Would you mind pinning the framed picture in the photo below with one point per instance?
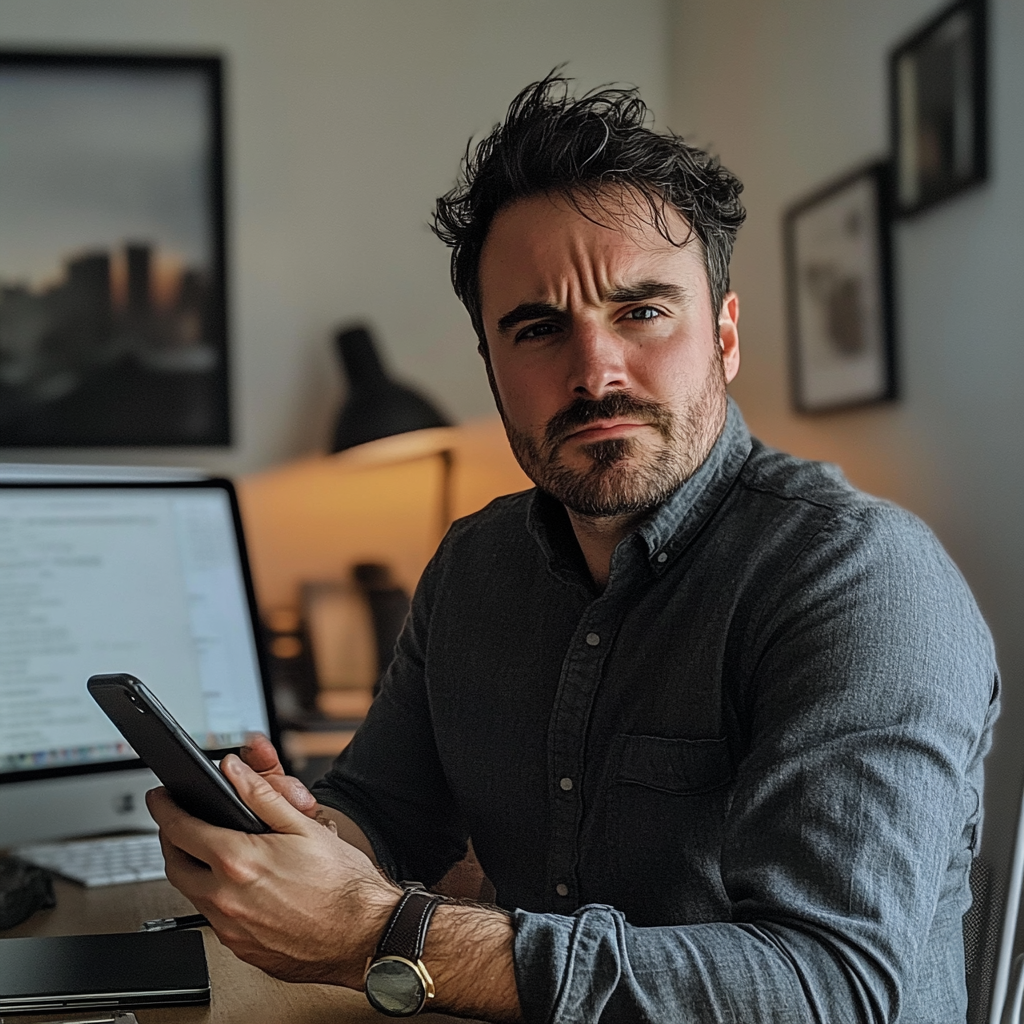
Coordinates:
(939, 107)
(113, 325)
(839, 283)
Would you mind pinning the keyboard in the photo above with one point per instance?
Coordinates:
(94, 862)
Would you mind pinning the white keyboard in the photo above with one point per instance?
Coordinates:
(93, 862)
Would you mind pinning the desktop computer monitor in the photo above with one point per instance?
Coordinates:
(147, 577)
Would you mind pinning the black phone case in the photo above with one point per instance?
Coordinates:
(178, 762)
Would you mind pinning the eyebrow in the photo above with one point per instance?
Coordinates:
(648, 290)
(638, 292)
(530, 311)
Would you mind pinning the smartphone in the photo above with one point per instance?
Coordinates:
(192, 779)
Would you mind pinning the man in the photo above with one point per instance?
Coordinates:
(713, 719)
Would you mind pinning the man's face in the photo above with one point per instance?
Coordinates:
(607, 366)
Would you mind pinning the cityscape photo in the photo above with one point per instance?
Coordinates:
(112, 327)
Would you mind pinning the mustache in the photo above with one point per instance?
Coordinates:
(615, 404)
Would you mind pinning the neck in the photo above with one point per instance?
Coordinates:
(598, 537)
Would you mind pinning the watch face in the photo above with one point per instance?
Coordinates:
(394, 986)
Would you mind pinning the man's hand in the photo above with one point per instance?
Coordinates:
(305, 906)
(259, 754)
(298, 903)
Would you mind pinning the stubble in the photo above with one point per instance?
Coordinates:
(630, 476)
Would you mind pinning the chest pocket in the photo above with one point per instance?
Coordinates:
(664, 815)
(672, 765)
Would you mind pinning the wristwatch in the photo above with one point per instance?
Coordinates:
(396, 982)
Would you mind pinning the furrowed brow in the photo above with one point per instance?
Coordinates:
(643, 290)
(529, 311)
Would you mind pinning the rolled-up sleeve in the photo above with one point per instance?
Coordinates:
(868, 694)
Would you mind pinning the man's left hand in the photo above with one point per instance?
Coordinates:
(299, 903)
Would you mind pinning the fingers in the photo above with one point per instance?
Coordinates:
(259, 754)
(295, 793)
(206, 843)
(264, 800)
(183, 871)
(199, 884)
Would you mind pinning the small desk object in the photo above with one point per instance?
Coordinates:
(106, 972)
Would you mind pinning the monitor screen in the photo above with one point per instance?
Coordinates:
(145, 579)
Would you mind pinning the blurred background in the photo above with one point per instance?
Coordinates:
(346, 118)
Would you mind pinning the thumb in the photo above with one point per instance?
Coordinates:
(263, 800)
(259, 754)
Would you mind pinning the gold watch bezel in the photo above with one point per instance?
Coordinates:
(418, 967)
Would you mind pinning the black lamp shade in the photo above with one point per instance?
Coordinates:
(377, 406)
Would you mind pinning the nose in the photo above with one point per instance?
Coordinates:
(597, 361)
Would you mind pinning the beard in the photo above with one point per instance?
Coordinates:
(625, 476)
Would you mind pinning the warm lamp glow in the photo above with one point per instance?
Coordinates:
(315, 518)
(416, 444)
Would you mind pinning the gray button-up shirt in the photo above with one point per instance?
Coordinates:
(741, 783)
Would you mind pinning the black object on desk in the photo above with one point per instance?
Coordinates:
(174, 924)
(64, 972)
(24, 889)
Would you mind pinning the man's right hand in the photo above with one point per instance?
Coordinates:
(259, 754)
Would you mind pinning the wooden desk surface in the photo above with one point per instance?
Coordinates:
(240, 994)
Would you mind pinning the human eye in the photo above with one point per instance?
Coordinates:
(644, 313)
(540, 330)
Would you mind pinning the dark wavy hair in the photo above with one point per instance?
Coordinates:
(551, 142)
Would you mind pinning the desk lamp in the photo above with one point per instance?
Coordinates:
(381, 423)
(378, 408)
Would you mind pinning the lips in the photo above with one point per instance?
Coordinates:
(609, 417)
(604, 430)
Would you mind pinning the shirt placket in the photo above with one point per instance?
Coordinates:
(582, 670)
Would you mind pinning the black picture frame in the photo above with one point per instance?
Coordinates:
(113, 283)
(938, 88)
(838, 256)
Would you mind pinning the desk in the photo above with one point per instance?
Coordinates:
(240, 994)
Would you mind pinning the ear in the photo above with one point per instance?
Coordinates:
(729, 335)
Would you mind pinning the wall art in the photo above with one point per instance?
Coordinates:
(113, 326)
(939, 108)
(839, 283)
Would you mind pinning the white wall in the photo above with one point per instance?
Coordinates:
(346, 119)
(791, 93)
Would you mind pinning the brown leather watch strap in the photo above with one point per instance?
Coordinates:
(406, 930)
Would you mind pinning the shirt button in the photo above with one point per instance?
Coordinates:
(593, 639)
(562, 889)
(663, 557)
(566, 784)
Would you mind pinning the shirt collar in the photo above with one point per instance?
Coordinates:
(669, 529)
(667, 532)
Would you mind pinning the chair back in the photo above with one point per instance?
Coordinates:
(995, 982)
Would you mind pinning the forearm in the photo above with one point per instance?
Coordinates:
(469, 954)
(469, 947)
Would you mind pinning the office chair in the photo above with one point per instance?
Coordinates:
(995, 980)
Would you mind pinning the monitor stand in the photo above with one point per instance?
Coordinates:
(75, 805)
